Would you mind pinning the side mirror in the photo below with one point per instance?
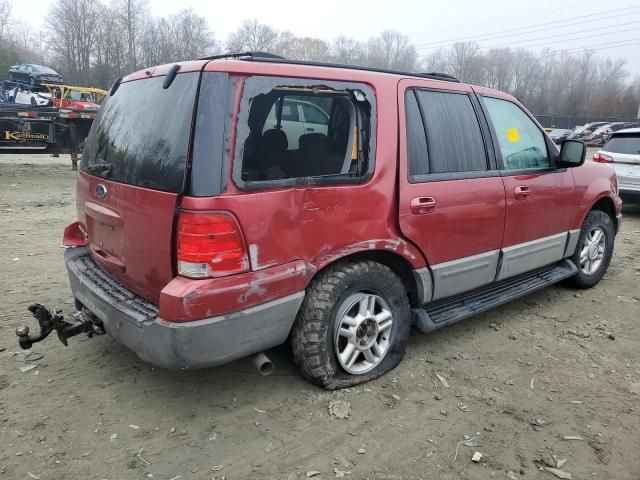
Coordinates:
(572, 154)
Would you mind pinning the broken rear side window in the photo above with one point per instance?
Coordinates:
(293, 131)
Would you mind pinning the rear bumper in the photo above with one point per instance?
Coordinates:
(134, 322)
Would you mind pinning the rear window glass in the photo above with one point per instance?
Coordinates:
(141, 134)
(625, 143)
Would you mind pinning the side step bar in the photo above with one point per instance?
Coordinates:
(450, 310)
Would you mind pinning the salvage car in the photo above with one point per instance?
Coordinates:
(559, 134)
(201, 238)
(26, 95)
(34, 74)
(622, 151)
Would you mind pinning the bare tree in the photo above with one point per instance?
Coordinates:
(6, 6)
(130, 14)
(391, 50)
(73, 26)
(254, 37)
(347, 50)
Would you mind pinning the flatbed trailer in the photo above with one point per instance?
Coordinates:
(25, 128)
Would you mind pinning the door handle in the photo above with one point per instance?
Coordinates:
(423, 205)
(522, 192)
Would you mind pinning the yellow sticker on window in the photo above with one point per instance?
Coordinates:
(513, 135)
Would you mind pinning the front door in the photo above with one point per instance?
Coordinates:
(538, 195)
(452, 200)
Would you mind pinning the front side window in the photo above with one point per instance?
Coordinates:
(448, 123)
(521, 142)
(292, 133)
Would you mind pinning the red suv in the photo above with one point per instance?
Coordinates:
(215, 220)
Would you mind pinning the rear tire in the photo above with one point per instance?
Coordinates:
(594, 250)
(359, 311)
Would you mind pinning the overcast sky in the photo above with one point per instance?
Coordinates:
(570, 25)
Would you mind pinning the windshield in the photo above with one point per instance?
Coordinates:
(41, 69)
(628, 144)
(141, 133)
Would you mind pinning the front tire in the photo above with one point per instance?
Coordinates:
(353, 325)
(594, 250)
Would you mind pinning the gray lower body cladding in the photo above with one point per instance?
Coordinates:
(203, 343)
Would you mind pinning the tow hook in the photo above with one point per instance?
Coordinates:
(50, 320)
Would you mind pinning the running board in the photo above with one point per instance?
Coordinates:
(450, 310)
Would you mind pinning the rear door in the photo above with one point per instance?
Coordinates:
(539, 197)
(452, 201)
(132, 173)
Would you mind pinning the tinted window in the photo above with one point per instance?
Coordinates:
(521, 142)
(141, 133)
(453, 133)
(628, 143)
(277, 150)
(416, 140)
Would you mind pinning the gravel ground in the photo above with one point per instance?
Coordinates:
(522, 377)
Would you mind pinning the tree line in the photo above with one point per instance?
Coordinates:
(93, 42)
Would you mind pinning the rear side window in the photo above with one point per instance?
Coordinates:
(521, 142)
(625, 143)
(450, 126)
(141, 134)
(329, 142)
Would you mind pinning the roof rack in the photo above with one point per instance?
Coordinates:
(244, 56)
(273, 58)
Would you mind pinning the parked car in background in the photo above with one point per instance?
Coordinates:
(607, 134)
(27, 95)
(297, 118)
(34, 74)
(622, 151)
(559, 134)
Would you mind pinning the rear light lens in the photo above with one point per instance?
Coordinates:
(601, 158)
(74, 235)
(210, 244)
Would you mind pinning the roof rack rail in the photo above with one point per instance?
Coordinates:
(244, 56)
(278, 59)
(273, 58)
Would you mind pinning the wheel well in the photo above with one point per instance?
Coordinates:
(396, 263)
(605, 205)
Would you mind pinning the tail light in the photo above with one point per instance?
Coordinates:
(602, 158)
(210, 244)
(74, 235)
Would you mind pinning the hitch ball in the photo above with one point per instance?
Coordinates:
(22, 331)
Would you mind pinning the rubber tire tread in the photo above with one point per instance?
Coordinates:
(595, 218)
(312, 337)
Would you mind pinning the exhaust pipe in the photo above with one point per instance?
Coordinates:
(263, 364)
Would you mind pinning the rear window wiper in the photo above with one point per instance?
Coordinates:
(99, 168)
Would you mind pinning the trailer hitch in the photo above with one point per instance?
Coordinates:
(50, 320)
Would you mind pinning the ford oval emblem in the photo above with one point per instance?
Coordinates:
(101, 191)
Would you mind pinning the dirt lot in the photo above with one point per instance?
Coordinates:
(557, 363)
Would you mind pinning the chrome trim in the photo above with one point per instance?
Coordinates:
(618, 222)
(464, 274)
(527, 256)
(424, 285)
(572, 243)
